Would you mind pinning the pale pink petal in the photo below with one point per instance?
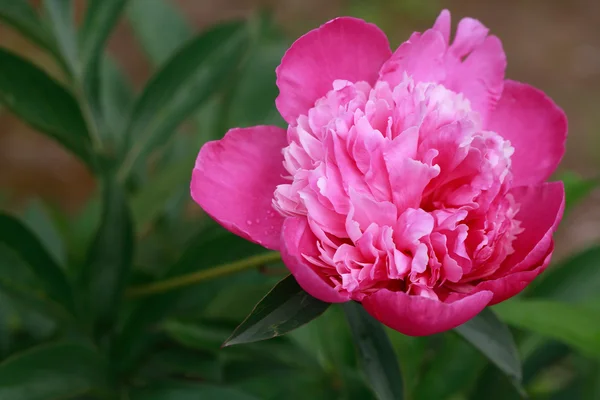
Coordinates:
(298, 242)
(541, 209)
(234, 180)
(536, 128)
(421, 316)
(480, 77)
(344, 48)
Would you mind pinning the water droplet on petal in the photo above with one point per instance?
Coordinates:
(257, 221)
(249, 222)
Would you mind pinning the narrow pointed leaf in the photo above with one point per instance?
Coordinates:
(23, 242)
(41, 102)
(493, 338)
(52, 372)
(62, 24)
(285, 308)
(189, 78)
(159, 44)
(21, 16)
(111, 253)
(573, 280)
(100, 19)
(376, 353)
(572, 324)
(189, 392)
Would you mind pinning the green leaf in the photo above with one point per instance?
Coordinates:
(181, 391)
(452, 367)
(38, 219)
(116, 98)
(159, 44)
(100, 18)
(20, 15)
(62, 24)
(188, 79)
(493, 338)
(573, 280)
(571, 324)
(253, 97)
(376, 353)
(44, 104)
(24, 243)
(150, 201)
(207, 249)
(576, 188)
(111, 254)
(285, 308)
(57, 371)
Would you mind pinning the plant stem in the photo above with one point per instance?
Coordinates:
(205, 275)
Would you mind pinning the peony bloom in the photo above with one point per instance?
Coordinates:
(412, 182)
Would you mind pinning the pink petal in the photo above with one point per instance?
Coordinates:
(299, 241)
(536, 128)
(344, 48)
(443, 24)
(473, 65)
(421, 316)
(234, 180)
(541, 209)
(480, 77)
(512, 284)
(421, 57)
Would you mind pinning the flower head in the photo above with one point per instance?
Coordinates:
(411, 182)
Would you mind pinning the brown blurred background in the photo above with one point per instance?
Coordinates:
(551, 44)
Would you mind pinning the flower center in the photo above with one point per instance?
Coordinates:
(402, 188)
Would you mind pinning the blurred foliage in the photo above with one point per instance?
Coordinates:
(133, 298)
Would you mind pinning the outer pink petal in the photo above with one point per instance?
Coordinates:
(512, 284)
(421, 57)
(473, 65)
(234, 180)
(536, 127)
(541, 210)
(299, 241)
(344, 48)
(421, 316)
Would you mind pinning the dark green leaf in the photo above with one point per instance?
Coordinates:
(44, 104)
(452, 368)
(38, 219)
(285, 308)
(576, 188)
(20, 15)
(57, 371)
(180, 391)
(490, 336)
(111, 254)
(571, 324)
(100, 18)
(188, 79)
(148, 203)
(159, 44)
(20, 240)
(376, 353)
(573, 280)
(203, 252)
(116, 98)
(411, 353)
(62, 24)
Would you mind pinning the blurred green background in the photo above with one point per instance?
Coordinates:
(167, 346)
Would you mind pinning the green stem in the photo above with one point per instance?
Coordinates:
(205, 275)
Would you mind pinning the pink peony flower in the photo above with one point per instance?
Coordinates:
(412, 182)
